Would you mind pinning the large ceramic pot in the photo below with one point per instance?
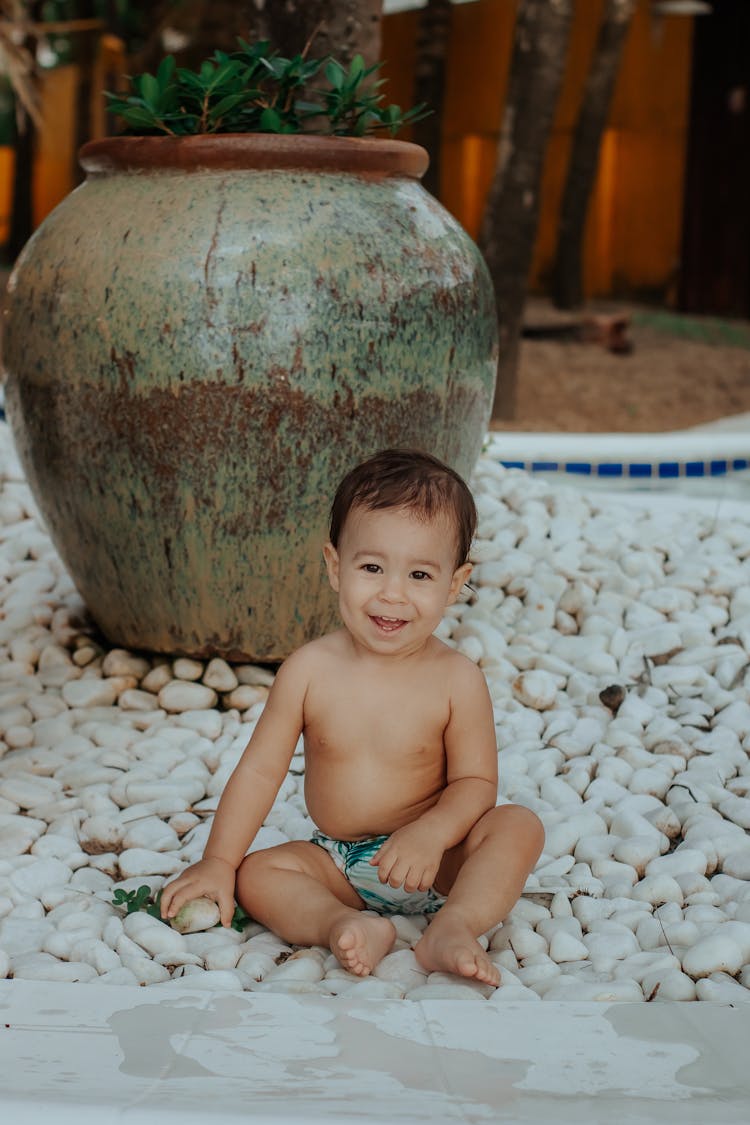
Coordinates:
(202, 338)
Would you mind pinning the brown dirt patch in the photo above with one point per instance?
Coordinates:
(682, 371)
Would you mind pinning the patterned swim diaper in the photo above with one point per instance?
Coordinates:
(352, 857)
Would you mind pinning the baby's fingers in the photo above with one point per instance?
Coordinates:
(226, 909)
(173, 897)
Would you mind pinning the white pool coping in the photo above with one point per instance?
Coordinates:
(80, 1054)
(717, 450)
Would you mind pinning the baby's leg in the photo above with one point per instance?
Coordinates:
(298, 892)
(483, 878)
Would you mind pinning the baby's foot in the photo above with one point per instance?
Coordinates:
(360, 942)
(449, 946)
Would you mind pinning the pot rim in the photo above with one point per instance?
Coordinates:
(365, 156)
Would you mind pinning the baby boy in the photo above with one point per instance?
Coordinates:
(400, 750)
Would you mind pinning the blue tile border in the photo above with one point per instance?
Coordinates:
(665, 470)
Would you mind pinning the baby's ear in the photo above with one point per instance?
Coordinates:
(331, 558)
(460, 578)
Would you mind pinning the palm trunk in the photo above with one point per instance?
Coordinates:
(429, 86)
(343, 28)
(584, 155)
(207, 25)
(512, 212)
(85, 56)
(21, 217)
(22, 206)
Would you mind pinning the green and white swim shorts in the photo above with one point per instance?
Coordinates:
(352, 857)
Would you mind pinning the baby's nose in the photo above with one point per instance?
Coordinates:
(393, 588)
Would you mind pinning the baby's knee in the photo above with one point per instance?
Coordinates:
(255, 868)
(281, 857)
(531, 826)
(521, 823)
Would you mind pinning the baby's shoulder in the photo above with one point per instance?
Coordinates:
(318, 654)
(457, 670)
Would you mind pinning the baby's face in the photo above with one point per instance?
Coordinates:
(395, 574)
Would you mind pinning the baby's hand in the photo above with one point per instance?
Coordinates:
(209, 878)
(409, 858)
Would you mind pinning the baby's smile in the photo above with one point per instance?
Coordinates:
(388, 624)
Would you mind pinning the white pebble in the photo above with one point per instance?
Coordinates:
(713, 954)
(179, 695)
(219, 675)
(145, 970)
(722, 989)
(186, 669)
(223, 957)
(304, 965)
(142, 861)
(196, 915)
(37, 876)
(564, 947)
(536, 689)
(737, 863)
(246, 696)
(657, 889)
(151, 833)
(403, 967)
(91, 692)
(157, 678)
(120, 662)
(256, 964)
(134, 700)
(680, 862)
(669, 985)
(151, 934)
(118, 977)
(42, 966)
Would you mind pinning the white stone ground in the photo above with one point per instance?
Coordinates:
(111, 763)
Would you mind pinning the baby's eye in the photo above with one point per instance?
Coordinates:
(371, 568)
(420, 575)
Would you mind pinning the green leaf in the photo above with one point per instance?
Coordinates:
(142, 118)
(270, 121)
(334, 72)
(240, 919)
(227, 103)
(150, 91)
(155, 908)
(165, 72)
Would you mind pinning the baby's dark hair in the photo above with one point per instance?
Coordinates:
(407, 478)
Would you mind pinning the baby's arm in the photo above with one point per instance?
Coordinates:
(247, 797)
(411, 856)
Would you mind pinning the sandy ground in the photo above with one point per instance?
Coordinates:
(681, 371)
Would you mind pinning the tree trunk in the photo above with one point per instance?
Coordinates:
(22, 208)
(512, 212)
(346, 27)
(429, 86)
(85, 45)
(21, 216)
(584, 155)
(204, 26)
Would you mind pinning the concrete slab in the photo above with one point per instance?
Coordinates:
(85, 1054)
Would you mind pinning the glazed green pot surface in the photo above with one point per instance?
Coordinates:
(194, 359)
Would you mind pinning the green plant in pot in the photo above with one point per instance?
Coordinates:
(255, 90)
(231, 310)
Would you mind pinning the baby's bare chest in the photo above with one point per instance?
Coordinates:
(350, 719)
